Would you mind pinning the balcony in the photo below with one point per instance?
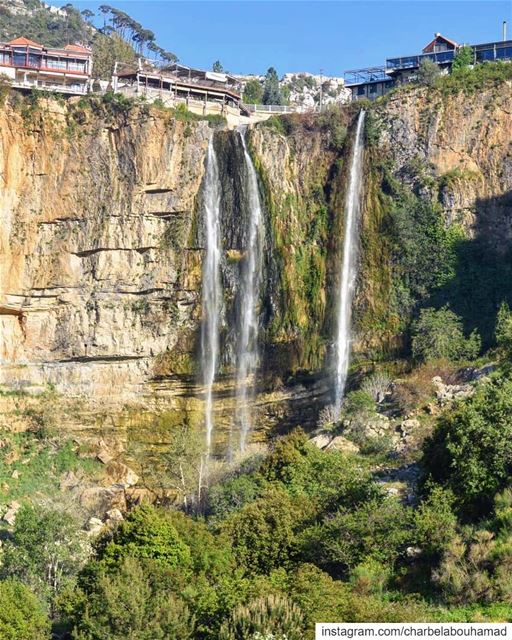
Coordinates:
(413, 62)
(73, 89)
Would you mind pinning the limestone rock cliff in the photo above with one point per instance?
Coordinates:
(102, 240)
(97, 270)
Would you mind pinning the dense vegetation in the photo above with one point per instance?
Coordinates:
(299, 534)
(296, 536)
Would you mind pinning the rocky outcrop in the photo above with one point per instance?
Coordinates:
(101, 242)
(99, 269)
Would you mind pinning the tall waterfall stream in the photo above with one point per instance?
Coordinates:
(247, 347)
(349, 264)
(211, 290)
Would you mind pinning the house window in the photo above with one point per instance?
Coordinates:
(373, 88)
(360, 91)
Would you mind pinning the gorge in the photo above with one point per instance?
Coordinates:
(256, 379)
(102, 286)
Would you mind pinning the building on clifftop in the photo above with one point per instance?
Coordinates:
(372, 82)
(29, 65)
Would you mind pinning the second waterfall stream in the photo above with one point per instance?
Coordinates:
(247, 357)
(349, 264)
(247, 347)
(212, 290)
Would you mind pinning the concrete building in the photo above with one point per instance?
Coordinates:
(372, 82)
(203, 92)
(28, 65)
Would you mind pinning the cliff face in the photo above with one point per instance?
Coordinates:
(102, 240)
(463, 141)
(447, 151)
(98, 271)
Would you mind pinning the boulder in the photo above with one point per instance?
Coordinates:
(339, 443)
(114, 515)
(119, 473)
(104, 456)
(94, 526)
(322, 440)
(99, 500)
(408, 426)
(11, 513)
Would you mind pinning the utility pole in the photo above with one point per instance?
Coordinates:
(321, 90)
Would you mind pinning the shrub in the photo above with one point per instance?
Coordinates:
(377, 529)
(46, 550)
(504, 330)
(273, 616)
(21, 615)
(131, 603)
(263, 532)
(463, 574)
(428, 72)
(377, 386)
(435, 524)
(359, 402)
(253, 92)
(439, 334)
(231, 495)
(470, 451)
(463, 59)
(147, 533)
(328, 479)
(328, 417)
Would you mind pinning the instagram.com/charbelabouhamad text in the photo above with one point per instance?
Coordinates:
(410, 630)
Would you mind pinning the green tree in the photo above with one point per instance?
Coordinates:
(217, 67)
(147, 533)
(463, 59)
(271, 91)
(88, 15)
(46, 550)
(470, 451)
(378, 529)
(428, 72)
(435, 523)
(21, 615)
(504, 330)
(253, 92)
(438, 334)
(106, 51)
(263, 532)
(132, 603)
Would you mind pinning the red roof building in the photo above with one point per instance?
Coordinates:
(440, 43)
(28, 65)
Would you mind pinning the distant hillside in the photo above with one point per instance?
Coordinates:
(119, 38)
(49, 25)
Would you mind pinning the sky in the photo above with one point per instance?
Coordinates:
(309, 35)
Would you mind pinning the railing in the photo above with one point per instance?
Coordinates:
(59, 88)
(365, 75)
(411, 62)
(271, 108)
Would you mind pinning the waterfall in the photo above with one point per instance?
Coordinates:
(349, 263)
(247, 346)
(211, 290)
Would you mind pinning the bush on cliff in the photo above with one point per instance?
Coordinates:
(438, 334)
(470, 451)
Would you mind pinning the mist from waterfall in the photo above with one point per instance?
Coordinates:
(247, 344)
(211, 289)
(349, 263)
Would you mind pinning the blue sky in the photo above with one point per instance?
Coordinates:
(248, 36)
